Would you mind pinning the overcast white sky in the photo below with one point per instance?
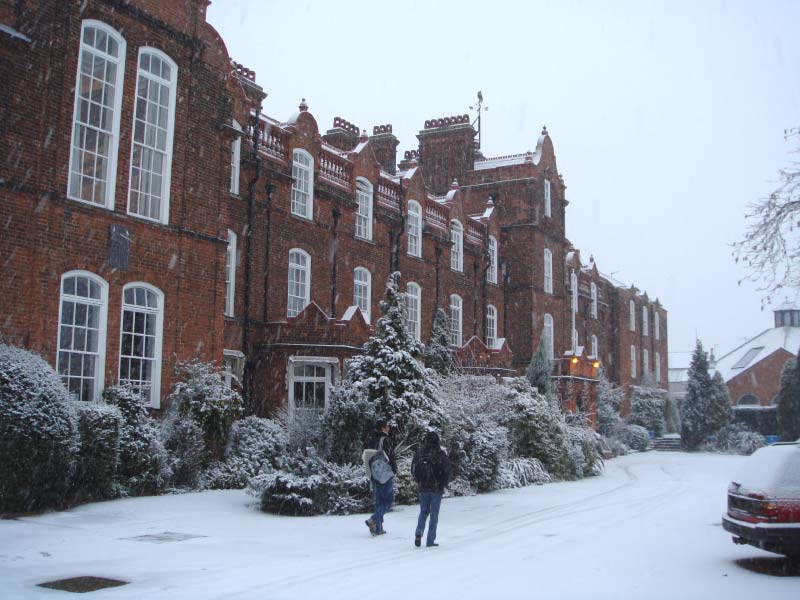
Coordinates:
(667, 117)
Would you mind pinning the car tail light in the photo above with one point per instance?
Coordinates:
(758, 508)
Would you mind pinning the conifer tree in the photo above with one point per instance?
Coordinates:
(609, 401)
(789, 401)
(539, 370)
(437, 354)
(694, 428)
(719, 413)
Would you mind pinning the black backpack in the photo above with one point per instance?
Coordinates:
(425, 471)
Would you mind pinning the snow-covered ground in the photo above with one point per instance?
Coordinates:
(649, 528)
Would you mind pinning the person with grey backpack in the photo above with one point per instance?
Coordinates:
(379, 461)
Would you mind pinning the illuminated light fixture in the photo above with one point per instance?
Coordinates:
(596, 364)
(574, 360)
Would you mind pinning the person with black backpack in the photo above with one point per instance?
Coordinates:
(381, 466)
(431, 471)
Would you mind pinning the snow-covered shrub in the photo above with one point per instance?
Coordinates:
(183, 441)
(100, 427)
(635, 437)
(583, 451)
(459, 486)
(254, 443)
(204, 397)
(613, 446)
(406, 489)
(346, 425)
(478, 453)
(520, 472)
(672, 415)
(735, 439)
(609, 401)
(540, 369)
(39, 438)
(305, 429)
(647, 408)
(308, 485)
(143, 462)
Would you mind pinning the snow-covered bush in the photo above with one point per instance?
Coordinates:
(437, 354)
(406, 489)
(183, 441)
(613, 446)
(540, 369)
(308, 485)
(39, 438)
(254, 443)
(204, 396)
(647, 408)
(100, 427)
(519, 472)
(583, 451)
(735, 439)
(143, 461)
(459, 486)
(635, 437)
(346, 425)
(609, 401)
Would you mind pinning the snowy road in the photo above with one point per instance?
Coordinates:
(649, 528)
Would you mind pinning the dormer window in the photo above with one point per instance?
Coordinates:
(414, 228)
(548, 204)
(302, 184)
(363, 209)
(491, 274)
(457, 247)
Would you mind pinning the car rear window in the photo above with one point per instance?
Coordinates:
(774, 470)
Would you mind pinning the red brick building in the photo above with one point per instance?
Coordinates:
(152, 214)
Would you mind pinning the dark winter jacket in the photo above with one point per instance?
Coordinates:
(388, 448)
(433, 453)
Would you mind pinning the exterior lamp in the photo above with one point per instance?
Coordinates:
(574, 360)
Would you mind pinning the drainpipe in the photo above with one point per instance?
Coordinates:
(336, 214)
(270, 190)
(398, 237)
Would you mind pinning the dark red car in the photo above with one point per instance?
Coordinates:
(764, 500)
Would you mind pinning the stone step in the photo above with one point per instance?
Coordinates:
(667, 443)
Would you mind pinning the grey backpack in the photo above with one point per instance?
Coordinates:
(379, 465)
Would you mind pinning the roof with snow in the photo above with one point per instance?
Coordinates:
(758, 348)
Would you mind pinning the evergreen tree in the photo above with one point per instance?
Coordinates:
(647, 407)
(694, 428)
(789, 401)
(719, 413)
(539, 370)
(437, 354)
(389, 375)
(609, 401)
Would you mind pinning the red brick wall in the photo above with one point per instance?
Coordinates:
(762, 380)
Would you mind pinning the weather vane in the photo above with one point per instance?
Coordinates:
(479, 108)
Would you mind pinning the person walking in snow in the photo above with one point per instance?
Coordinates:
(431, 471)
(379, 461)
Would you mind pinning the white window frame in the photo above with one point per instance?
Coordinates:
(548, 204)
(414, 228)
(302, 178)
(595, 349)
(154, 401)
(236, 158)
(63, 328)
(362, 291)
(230, 274)
(548, 271)
(548, 333)
(633, 362)
(573, 284)
(331, 374)
(364, 197)
(456, 320)
(593, 293)
(456, 246)
(657, 367)
(632, 315)
(166, 173)
(303, 281)
(414, 309)
(574, 340)
(645, 362)
(79, 151)
(657, 325)
(491, 326)
(233, 366)
(645, 322)
(491, 274)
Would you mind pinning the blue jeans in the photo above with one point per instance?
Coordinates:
(429, 503)
(384, 494)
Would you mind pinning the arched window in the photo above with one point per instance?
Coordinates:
(153, 126)
(633, 361)
(457, 246)
(455, 320)
(748, 400)
(657, 367)
(414, 228)
(631, 315)
(573, 284)
(299, 281)
(302, 184)
(236, 158)
(362, 291)
(363, 209)
(230, 275)
(140, 341)
(548, 204)
(645, 362)
(645, 322)
(548, 271)
(593, 293)
(595, 353)
(95, 120)
(491, 326)
(657, 325)
(82, 333)
(547, 334)
(413, 309)
(491, 274)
